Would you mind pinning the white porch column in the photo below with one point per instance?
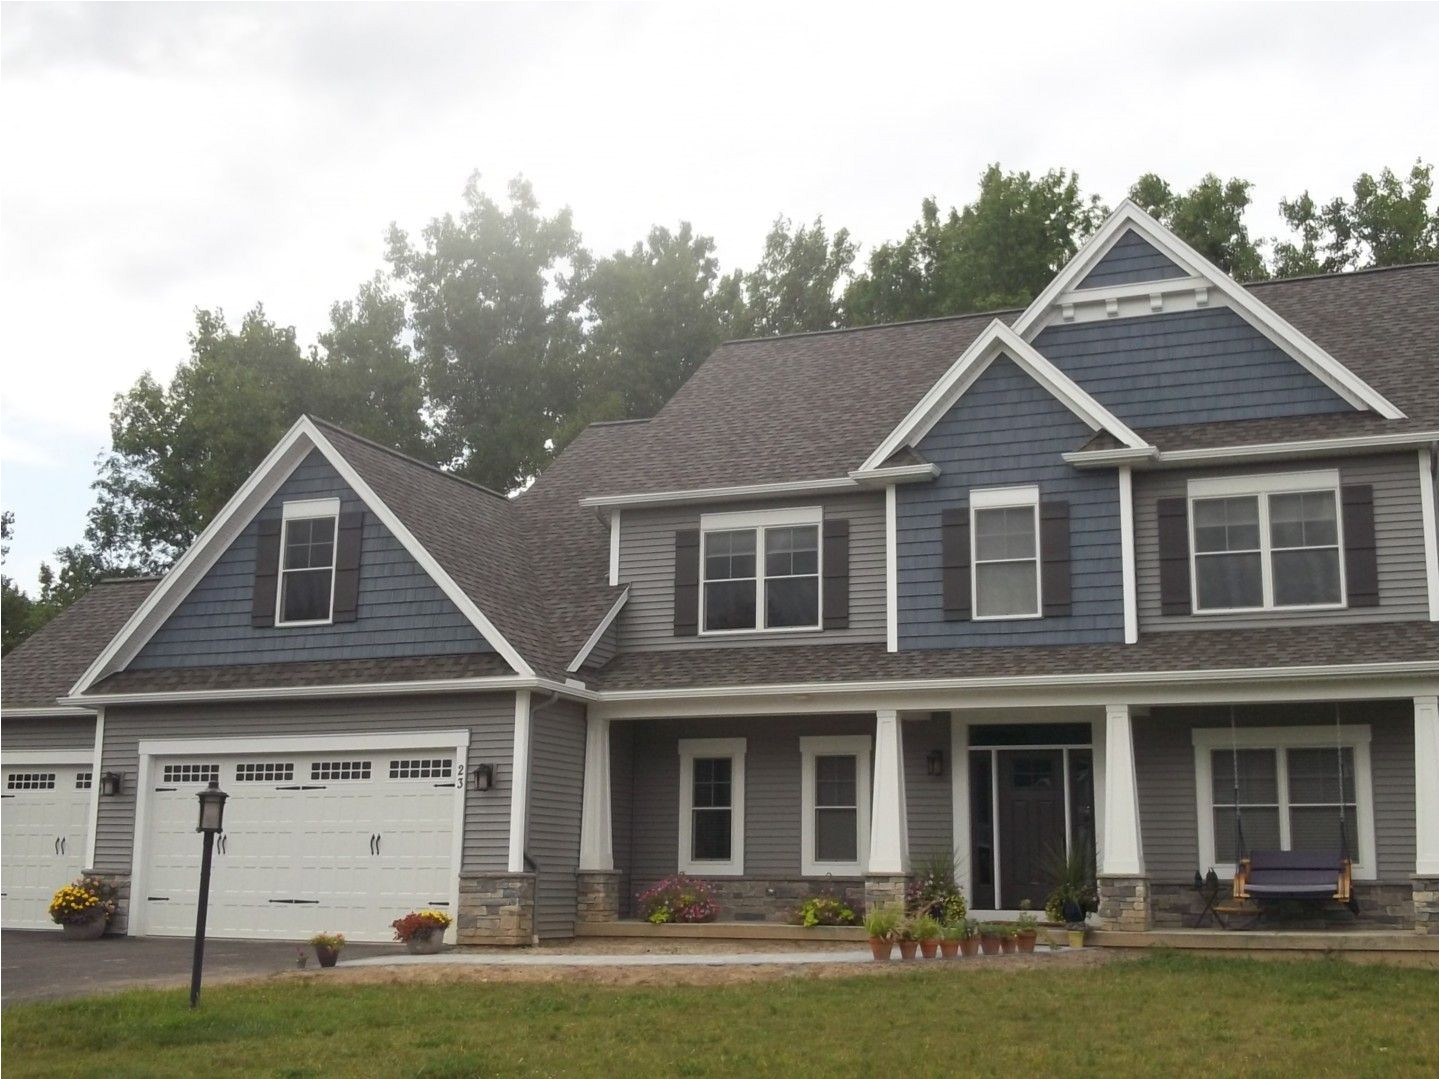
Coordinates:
(1427, 800)
(519, 784)
(889, 844)
(960, 799)
(1121, 853)
(596, 849)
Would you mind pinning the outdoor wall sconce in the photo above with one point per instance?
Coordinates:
(110, 783)
(484, 777)
(935, 762)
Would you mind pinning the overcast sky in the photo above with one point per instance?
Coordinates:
(159, 158)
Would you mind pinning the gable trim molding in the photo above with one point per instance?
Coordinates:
(599, 632)
(995, 340)
(1274, 451)
(231, 521)
(1300, 348)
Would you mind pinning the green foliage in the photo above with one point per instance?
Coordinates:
(20, 616)
(1209, 217)
(933, 889)
(925, 928)
(1074, 876)
(826, 910)
(797, 284)
(884, 922)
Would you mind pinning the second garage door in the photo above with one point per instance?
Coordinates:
(341, 841)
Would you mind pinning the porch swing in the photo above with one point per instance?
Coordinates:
(1307, 876)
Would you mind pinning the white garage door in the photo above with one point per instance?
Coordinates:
(44, 817)
(342, 841)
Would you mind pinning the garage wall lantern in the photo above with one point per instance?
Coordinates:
(110, 783)
(484, 777)
(935, 762)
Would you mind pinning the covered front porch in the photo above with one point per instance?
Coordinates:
(775, 807)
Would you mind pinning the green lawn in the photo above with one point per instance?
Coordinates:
(1163, 1015)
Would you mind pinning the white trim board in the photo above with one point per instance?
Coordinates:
(1272, 451)
(689, 750)
(1300, 348)
(598, 633)
(232, 520)
(1428, 531)
(811, 747)
(996, 340)
(15, 758)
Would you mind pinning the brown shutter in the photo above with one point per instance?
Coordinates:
(1174, 538)
(1362, 581)
(267, 571)
(837, 574)
(1055, 557)
(687, 582)
(955, 561)
(347, 565)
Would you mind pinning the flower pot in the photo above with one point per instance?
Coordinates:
(1026, 941)
(950, 949)
(990, 944)
(326, 955)
(907, 949)
(1077, 938)
(426, 942)
(881, 948)
(970, 946)
(930, 948)
(88, 930)
(1008, 945)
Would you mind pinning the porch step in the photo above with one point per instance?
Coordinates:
(1404, 948)
(720, 931)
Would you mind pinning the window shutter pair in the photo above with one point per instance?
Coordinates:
(1054, 560)
(835, 582)
(1357, 514)
(348, 536)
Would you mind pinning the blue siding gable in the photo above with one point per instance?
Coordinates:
(1131, 258)
(401, 611)
(1007, 430)
(1186, 367)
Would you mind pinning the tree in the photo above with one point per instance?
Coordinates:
(996, 252)
(1208, 217)
(797, 284)
(496, 326)
(1389, 222)
(20, 615)
(16, 608)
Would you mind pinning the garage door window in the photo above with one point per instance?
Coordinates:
(422, 769)
(29, 781)
(82, 781)
(191, 773)
(340, 770)
(264, 771)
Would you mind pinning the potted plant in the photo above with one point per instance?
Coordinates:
(934, 890)
(1075, 932)
(83, 908)
(970, 942)
(905, 934)
(990, 935)
(1073, 894)
(1026, 928)
(422, 932)
(823, 909)
(1008, 944)
(927, 933)
(952, 936)
(327, 949)
(678, 899)
(882, 924)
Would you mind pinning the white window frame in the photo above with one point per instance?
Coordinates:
(1008, 498)
(1354, 737)
(811, 747)
(690, 750)
(307, 510)
(1261, 488)
(759, 521)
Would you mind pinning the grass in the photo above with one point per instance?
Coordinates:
(1163, 1015)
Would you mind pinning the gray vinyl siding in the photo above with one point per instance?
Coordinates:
(27, 733)
(557, 769)
(1131, 258)
(1185, 367)
(606, 648)
(490, 718)
(401, 611)
(1165, 777)
(1007, 430)
(648, 779)
(1399, 541)
(647, 565)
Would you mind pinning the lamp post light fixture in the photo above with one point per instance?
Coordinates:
(212, 820)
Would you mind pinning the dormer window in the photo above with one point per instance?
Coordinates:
(307, 563)
(760, 570)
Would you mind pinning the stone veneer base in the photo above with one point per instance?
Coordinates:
(885, 890)
(496, 909)
(1424, 899)
(1124, 902)
(597, 896)
(765, 899)
(1384, 905)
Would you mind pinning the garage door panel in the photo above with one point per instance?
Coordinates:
(46, 813)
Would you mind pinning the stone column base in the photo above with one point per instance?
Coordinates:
(1425, 893)
(1124, 902)
(885, 890)
(496, 909)
(597, 896)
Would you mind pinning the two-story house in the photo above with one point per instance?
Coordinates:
(1146, 570)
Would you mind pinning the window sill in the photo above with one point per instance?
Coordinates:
(1290, 608)
(762, 631)
(709, 870)
(837, 870)
(310, 622)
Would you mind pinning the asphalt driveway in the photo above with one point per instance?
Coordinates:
(37, 965)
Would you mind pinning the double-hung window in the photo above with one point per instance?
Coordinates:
(1005, 563)
(835, 804)
(760, 571)
(307, 562)
(1266, 542)
(712, 806)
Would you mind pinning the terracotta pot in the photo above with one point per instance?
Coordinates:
(881, 948)
(88, 930)
(970, 946)
(1008, 944)
(326, 955)
(930, 949)
(990, 944)
(950, 949)
(426, 942)
(907, 949)
(1026, 941)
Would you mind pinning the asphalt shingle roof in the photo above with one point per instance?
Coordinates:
(303, 673)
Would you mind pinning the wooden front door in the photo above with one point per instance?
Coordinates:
(1031, 797)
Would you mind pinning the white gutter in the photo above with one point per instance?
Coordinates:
(720, 494)
(46, 712)
(1346, 444)
(569, 688)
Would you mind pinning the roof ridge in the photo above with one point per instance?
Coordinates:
(127, 579)
(393, 452)
(619, 423)
(1340, 273)
(991, 313)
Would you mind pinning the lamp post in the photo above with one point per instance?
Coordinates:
(212, 818)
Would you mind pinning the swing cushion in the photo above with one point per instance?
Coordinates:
(1294, 875)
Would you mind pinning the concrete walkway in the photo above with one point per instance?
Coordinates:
(547, 958)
